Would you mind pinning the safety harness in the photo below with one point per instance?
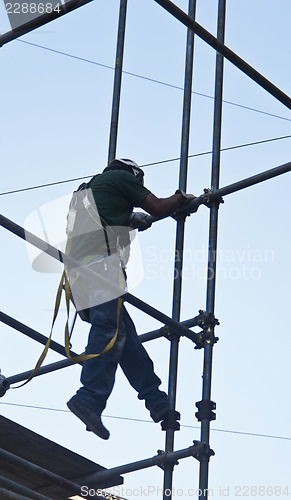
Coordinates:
(64, 282)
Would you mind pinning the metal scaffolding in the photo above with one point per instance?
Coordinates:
(172, 327)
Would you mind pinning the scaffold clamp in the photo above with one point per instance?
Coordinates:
(171, 421)
(169, 333)
(4, 385)
(209, 199)
(202, 451)
(207, 322)
(166, 465)
(205, 408)
(206, 319)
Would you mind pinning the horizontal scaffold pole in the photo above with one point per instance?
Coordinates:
(216, 194)
(85, 271)
(6, 382)
(41, 20)
(225, 51)
(52, 367)
(198, 450)
(251, 181)
(155, 334)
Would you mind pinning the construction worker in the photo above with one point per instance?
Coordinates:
(115, 192)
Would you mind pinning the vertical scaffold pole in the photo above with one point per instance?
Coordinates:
(177, 289)
(117, 81)
(212, 247)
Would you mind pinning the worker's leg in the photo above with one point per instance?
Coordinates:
(98, 374)
(139, 369)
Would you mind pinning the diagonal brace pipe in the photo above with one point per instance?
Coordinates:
(67, 260)
(225, 51)
(39, 21)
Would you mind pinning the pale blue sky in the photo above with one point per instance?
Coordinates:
(55, 118)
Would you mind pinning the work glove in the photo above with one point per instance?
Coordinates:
(139, 220)
(184, 209)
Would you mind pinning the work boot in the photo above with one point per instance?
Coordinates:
(160, 413)
(91, 419)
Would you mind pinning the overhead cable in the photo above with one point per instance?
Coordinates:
(253, 434)
(249, 108)
(146, 165)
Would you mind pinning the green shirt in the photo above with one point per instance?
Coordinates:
(116, 193)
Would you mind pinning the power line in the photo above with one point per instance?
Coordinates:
(147, 165)
(150, 79)
(149, 421)
(255, 143)
(45, 185)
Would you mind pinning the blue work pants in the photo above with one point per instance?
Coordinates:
(98, 374)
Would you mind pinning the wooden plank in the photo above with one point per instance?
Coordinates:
(46, 454)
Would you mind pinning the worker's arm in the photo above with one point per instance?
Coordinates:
(162, 207)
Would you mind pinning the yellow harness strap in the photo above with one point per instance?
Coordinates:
(46, 347)
(64, 283)
(84, 357)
